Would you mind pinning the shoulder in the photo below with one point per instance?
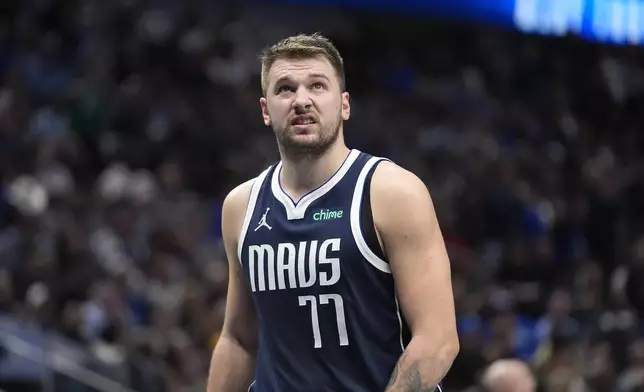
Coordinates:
(393, 184)
(234, 208)
(237, 198)
(400, 201)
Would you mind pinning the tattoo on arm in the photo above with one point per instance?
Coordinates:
(409, 380)
(394, 376)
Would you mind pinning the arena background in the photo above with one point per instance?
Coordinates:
(123, 124)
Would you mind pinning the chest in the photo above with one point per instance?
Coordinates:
(303, 244)
(283, 254)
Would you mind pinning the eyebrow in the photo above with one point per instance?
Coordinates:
(310, 76)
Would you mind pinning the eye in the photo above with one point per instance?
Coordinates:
(284, 88)
(317, 86)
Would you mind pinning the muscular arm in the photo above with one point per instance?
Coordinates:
(406, 223)
(233, 360)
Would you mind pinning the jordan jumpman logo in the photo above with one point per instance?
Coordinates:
(262, 222)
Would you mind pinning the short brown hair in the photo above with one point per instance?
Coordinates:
(302, 46)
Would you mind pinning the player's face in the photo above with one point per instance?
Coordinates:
(305, 105)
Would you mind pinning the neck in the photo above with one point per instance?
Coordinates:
(301, 175)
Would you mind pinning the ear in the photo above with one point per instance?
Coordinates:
(346, 106)
(264, 106)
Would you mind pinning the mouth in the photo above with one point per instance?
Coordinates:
(303, 121)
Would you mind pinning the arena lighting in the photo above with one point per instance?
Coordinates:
(606, 21)
(612, 21)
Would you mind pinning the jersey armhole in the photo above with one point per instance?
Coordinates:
(362, 223)
(250, 209)
(366, 217)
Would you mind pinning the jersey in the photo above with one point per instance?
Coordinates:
(328, 316)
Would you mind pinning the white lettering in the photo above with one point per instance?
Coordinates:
(256, 255)
(286, 265)
(301, 265)
(315, 320)
(339, 316)
(275, 269)
(335, 262)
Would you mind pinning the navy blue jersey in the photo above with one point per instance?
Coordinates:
(327, 311)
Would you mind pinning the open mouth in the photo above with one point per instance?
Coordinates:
(303, 120)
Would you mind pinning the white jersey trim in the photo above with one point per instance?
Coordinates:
(400, 323)
(297, 210)
(250, 209)
(356, 230)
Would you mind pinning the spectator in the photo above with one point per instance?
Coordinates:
(507, 375)
(123, 124)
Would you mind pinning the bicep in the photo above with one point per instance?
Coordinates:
(240, 315)
(423, 279)
(416, 252)
(240, 319)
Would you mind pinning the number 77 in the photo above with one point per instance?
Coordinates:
(339, 314)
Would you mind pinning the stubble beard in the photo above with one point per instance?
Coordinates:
(297, 150)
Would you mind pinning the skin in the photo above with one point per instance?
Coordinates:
(306, 87)
(404, 217)
(236, 350)
(508, 375)
(406, 222)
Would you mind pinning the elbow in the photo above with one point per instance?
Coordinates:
(444, 349)
(246, 339)
(449, 349)
(454, 348)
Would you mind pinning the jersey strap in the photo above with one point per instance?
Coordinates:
(250, 208)
(361, 219)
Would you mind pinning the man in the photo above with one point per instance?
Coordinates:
(508, 375)
(333, 253)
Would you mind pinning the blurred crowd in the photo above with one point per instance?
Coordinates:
(124, 123)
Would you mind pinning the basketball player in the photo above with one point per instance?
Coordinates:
(339, 278)
(508, 375)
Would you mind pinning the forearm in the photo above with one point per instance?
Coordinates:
(422, 367)
(231, 367)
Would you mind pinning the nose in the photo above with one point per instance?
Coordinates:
(302, 99)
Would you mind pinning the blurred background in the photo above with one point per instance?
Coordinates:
(124, 123)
